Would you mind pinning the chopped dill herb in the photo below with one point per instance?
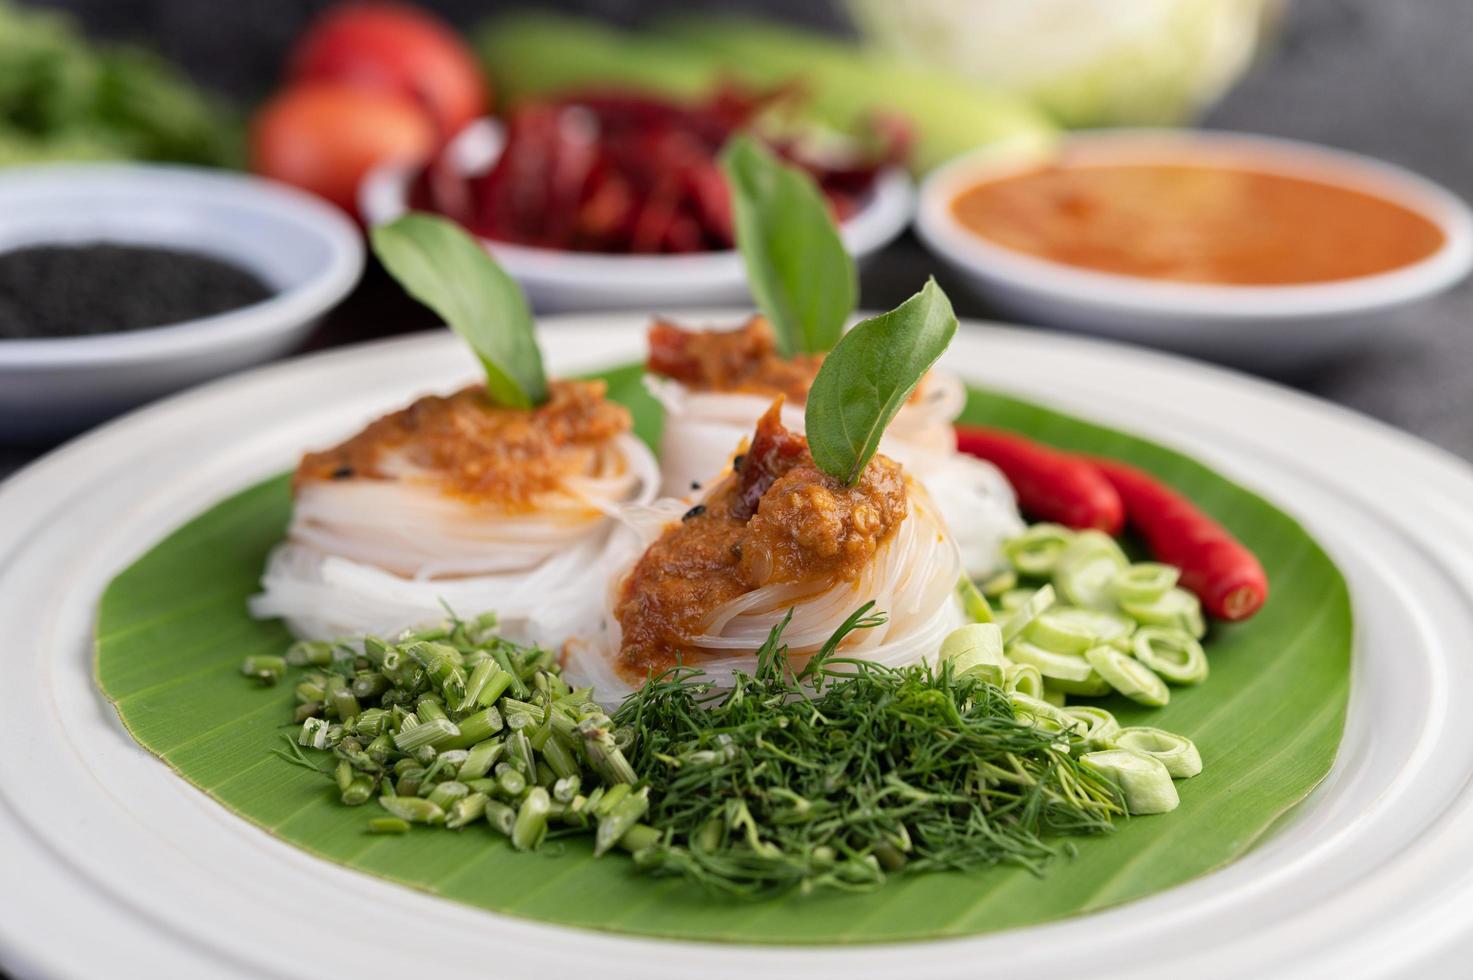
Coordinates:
(846, 771)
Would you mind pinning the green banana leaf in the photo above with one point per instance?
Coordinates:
(173, 629)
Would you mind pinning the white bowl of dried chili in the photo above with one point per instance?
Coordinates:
(306, 253)
(558, 280)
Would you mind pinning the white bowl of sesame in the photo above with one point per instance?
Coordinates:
(307, 254)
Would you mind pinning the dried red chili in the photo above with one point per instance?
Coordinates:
(619, 171)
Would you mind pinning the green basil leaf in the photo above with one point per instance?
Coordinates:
(442, 266)
(797, 268)
(868, 376)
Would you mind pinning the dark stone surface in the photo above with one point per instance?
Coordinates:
(1368, 75)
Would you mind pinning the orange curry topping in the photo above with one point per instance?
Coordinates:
(776, 519)
(743, 360)
(477, 450)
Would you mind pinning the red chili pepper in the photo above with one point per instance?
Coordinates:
(609, 170)
(1224, 574)
(1051, 485)
(771, 454)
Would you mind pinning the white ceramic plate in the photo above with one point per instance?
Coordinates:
(563, 281)
(113, 866)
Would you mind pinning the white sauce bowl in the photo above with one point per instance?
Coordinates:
(1265, 327)
(307, 252)
(560, 281)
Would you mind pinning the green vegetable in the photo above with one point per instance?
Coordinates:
(1176, 752)
(1053, 666)
(266, 669)
(1105, 597)
(1086, 569)
(1029, 609)
(1171, 653)
(868, 376)
(530, 828)
(1156, 65)
(1092, 686)
(412, 809)
(1056, 633)
(65, 98)
(432, 764)
(1178, 608)
(974, 602)
(797, 268)
(1041, 714)
(1144, 582)
(1014, 599)
(1024, 679)
(855, 773)
(848, 84)
(1143, 782)
(442, 266)
(1096, 726)
(844, 86)
(999, 584)
(1130, 678)
(976, 649)
(530, 54)
(1036, 551)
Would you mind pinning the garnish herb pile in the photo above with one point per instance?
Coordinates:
(848, 770)
(829, 776)
(1089, 622)
(455, 726)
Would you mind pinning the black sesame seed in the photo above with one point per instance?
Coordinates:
(695, 484)
(695, 511)
(342, 472)
(736, 464)
(96, 287)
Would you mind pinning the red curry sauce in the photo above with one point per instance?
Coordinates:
(1197, 223)
(743, 360)
(478, 450)
(777, 519)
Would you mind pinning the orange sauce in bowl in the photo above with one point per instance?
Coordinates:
(1196, 223)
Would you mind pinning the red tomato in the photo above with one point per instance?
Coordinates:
(395, 48)
(323, 137)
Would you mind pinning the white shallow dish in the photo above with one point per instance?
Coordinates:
(562, 281)
(1370, 877)
(308, 252)
(1263, 327)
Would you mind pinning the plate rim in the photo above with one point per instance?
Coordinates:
(172, 407)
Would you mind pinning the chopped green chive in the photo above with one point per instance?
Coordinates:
(267, 670)
(413, 809)
(531, 823)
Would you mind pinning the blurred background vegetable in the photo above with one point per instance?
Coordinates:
(844, 87)
(64, 98)
(367, 83)
(614, 170)
(324, 136)
(1143, 62)
(399, 49)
